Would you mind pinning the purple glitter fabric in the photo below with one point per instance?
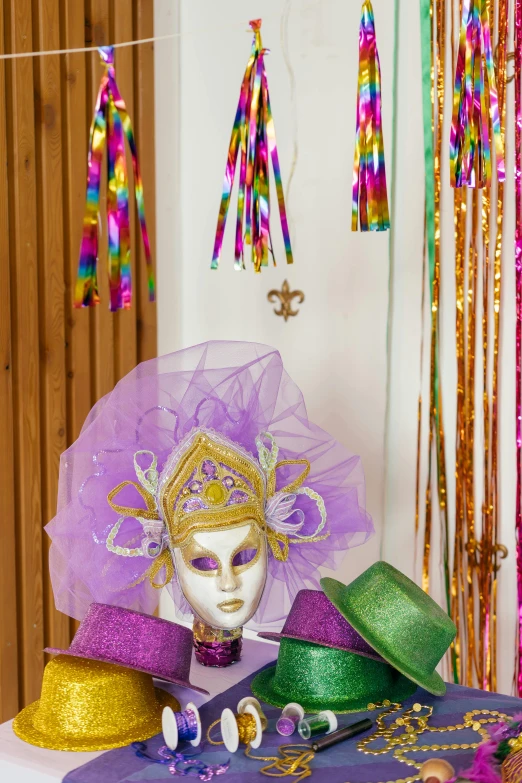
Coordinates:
(237, 389)
(313, 618)
(136, 641)
(218, 654)
(287, 725)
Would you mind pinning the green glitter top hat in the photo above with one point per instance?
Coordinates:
(398, 619)
(321, 678)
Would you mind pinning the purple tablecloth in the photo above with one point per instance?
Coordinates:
(340, 764)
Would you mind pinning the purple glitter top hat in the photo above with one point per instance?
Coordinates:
(313, 618)
(134, 640)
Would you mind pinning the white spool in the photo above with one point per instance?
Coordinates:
(241, 705)
(230, 729)
(169, 728)
(293, 708)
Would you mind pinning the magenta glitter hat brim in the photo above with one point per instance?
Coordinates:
(134, 640)
(276, 637)
(314, 618)
(181, 683)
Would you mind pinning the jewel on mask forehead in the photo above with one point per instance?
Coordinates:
(193, 504)
(238, 497)
(215, 492)
(209, 468)
(220, 473)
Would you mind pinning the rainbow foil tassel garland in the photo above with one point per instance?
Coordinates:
(254, 134)
(369, 194)
(111, 123)
(475, 103)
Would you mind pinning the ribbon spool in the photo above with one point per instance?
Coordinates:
(290, 717)
(323, 723)
(245, 727)
(436, 771)
(179, 726)
(243, 704)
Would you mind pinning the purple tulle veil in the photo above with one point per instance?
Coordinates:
(238, 389)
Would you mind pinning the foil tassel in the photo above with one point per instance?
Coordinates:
(111, 123)
(253, 133)
(369, 194)
(475, 103)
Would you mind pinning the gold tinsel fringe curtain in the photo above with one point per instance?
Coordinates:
(470, 551)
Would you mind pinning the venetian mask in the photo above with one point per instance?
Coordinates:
(214, 516)
(222, 574)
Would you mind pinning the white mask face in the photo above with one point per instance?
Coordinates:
(222, 574)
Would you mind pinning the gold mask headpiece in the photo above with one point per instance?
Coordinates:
(211, 483)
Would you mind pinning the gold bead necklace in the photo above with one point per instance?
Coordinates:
(411, 724)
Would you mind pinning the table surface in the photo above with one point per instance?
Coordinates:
(24, 763)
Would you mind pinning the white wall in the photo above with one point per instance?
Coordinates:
(335, 349)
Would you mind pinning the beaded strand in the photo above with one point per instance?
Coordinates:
(413, 723)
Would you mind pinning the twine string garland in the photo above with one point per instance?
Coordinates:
(293, 761)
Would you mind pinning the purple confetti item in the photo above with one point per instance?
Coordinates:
(218, 654)
(313, 618)
(193, 504)
(187, 725)
(209, 468)
(134, 640)
(238, 389)
(237, 496)
(286, 725)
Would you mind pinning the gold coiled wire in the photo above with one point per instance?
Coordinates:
(246, 725)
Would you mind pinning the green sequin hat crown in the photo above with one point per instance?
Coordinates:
(398, 619)
(321, 678)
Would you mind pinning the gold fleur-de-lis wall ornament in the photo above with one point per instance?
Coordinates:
(285, 296)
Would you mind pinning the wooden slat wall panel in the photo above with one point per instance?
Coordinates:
(125, 337)
(46, 26)
(75, 124)
(102, 322)
(75, 121)
(8, 608)
(144, 129)
(26, 357)
(56, 361)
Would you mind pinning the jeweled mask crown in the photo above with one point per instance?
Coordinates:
(211, 483)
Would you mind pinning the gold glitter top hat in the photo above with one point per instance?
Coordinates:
(87, 705)
(398, 619)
